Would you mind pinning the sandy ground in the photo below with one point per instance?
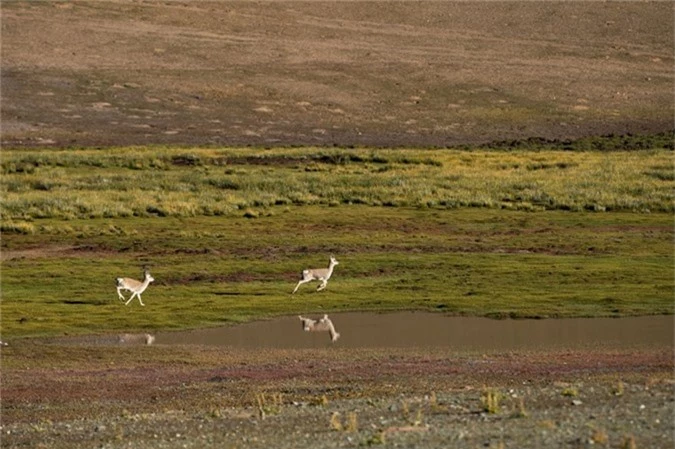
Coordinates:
(332, 73)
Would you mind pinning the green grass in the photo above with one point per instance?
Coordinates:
(214, 270)
(180, 182)
(225, 232)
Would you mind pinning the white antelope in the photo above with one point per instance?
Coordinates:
(134, 286)
(322, 325)
(318, 274)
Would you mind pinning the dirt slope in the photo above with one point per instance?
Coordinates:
(325, 73)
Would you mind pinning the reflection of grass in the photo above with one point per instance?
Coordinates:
(164, 182)
(211, 270)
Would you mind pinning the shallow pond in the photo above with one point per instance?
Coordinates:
(420, 329)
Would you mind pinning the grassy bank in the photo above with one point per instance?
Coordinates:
(164, 182)
(226, 232)
(212, 270)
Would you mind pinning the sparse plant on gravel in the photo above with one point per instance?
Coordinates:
(547, 424)
(599, 436)
(214, 413)
(434, 405)
(405, 409)
(491, 399)
(628, 442)
(350, 424)
(618, 389)
(419, 418)
(335, 422)
(520, 410)
(320, 400)
(268, 406)
(570, 392)
(376, 439)
(415, 420)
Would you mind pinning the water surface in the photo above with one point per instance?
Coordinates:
(421, 329)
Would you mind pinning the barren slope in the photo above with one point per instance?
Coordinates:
(324, 73)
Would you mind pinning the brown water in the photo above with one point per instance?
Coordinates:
(419, 329)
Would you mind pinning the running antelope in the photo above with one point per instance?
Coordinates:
(318, 274)
(134, 286)
(322, 325)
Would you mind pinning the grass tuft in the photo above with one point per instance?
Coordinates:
(570, 392)
(520, 411)
(268, 406)
(491, 400)
(628, 443)
(335, 422)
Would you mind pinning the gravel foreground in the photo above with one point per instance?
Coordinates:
(450, 419)
(197, 397)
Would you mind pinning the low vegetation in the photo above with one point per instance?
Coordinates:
(491, 400)
(226, 232)
(170, 182)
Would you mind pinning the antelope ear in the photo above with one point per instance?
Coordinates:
(301, 318)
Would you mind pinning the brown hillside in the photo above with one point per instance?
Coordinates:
(332, 73)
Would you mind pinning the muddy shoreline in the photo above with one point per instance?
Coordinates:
(76, 392)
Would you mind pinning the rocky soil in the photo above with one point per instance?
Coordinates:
(58, 396)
